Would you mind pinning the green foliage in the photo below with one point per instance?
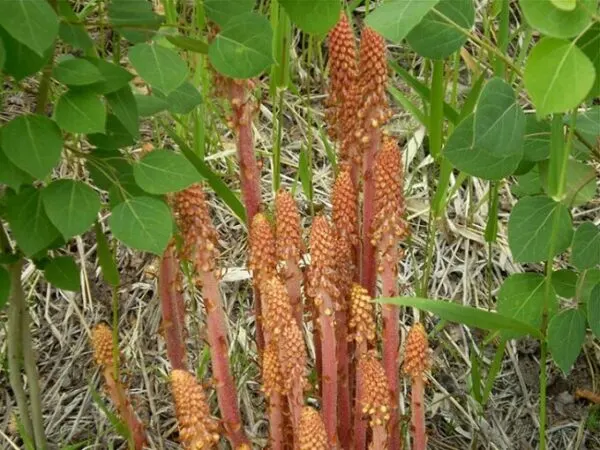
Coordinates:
(150, 105)
(63, 273)
(182, 100)
(11, 175)
(565, 282)
(538, 229)
(161, 172)
(566, 332)
(161, 67)
(536, 146)
(243, 47)
(556, 66)
(580, 182)
(71, 206)
(124, 107)
(71, 30)
(144, 223)
(220, 11)
(106, 258)
(80, 112)
(31, 22)
(553, 21)
(589, 43)
(396, 18)
(134, 19)
(437, 35)
(21, 61)
(77, 72)
(593, 310)
(586, 246)
(4, 287)
(313, 16)
(113, 77)
(33, 143)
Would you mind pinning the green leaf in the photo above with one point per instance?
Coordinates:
(75, 35)
(558, 76)
(106, 258)
(580, 182)
(77, 72)
(537, 139)
(466, 315)
(72, 206)
(115, 137)
(115, 77)
(161, 67)
(134, 19)
(149, 105)
(63, 273)
(182, 100)
(106, 167)
(33, 143)
(394, 19)
(4, 287)
(2, 55)
(538, 229)
(124, 107)
(567, 5)
(585, 253)
(586, 284)
(313, 16)
(528, 184)
(552, 21)
(566, 332)
(243, 47)
(162, 171)
(21, 62)
(220, 11)
(187, 43)
(29, 223)
(125, 188)
(80, 112)
(143, 223)
(522, 296)
(588, 122)
(565, 283)
(31, 22)
(593, 310)
(436, 36)
(589, 43)
(11, 175)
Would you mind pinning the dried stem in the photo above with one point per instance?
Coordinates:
(172, 308)
(217, 338)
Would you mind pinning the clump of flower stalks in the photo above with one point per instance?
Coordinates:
(309, 285)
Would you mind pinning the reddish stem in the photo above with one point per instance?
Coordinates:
(173, 309)
(391, 340)
(380, 439)
(330, 371)
(276, 422)
(217, 339)
(368, 266)
(344, 406)
(249, 173)
(360, 424)
(293, 282)
(123, 406)
(418, 413)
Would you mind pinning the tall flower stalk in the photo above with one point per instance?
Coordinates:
(416, 363)
(200, 249)
(375, 399)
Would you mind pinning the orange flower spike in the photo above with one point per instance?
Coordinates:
(416, 362)
(197, 429)
(278, 311)
(289, 248)
(362, 317)
(345, 206)
(262, 249)
(311, 433)
(274, 389)
(103, 345)
(375, 399)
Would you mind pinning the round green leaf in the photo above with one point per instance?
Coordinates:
(76, 35)
(523, 297)
(585, 253)
(565, 283)
(313, 16)
(29, 223)
(80, 112)
(134, 19)
(77, 72)
(538, 229)
(528, 184)
(143, 223)
(63, 273)
(436, 36)
(593, 310)
(33, 143)
(149, 105)
(587, 282)
(162, 171)
(115, 137)
(394, 19)
(123, 105)
(21, 61)
(11, 175)
(536, 146)
(566, 332)
(243, 47)
(182, 100)
(72, 206)
(580, 182)
(4, 287)
(558, 76)
(33, 23)
(220, 11)
(161, 67)
(552, 21)
(567, 5)
(589, 43)
(114, 77)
